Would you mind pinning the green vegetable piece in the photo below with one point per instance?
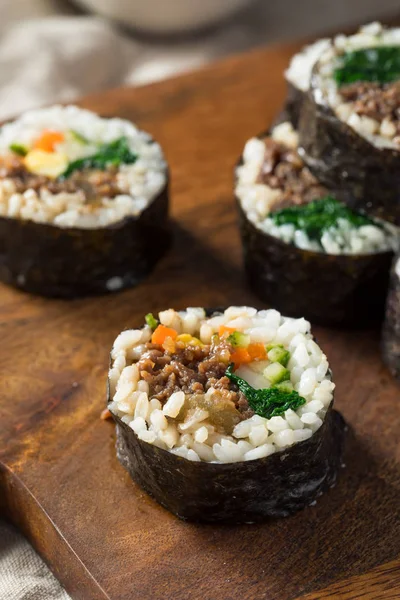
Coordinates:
(317, 216)
(78, 137)
(284, 386)
(380, 64)
(151, 321)
(19, 149)
(116, 153)
(275, 373)
(238, 339)
(270, 402)
(277, 353)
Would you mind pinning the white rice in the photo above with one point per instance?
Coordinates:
(196, 438)
(139, 182)
(381, 134)
(258, 199)
(301, 65)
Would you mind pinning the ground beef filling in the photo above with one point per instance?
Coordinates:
(194, 370)
(283, 169)
(91, 183)
(375, 100)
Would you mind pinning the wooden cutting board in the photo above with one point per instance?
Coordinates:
(60, 480)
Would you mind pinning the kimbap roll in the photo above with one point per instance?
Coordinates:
(225, 415)
(350, 123)
(391, 326)
(83, 203)
(304, 251)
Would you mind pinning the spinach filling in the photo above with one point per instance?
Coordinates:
(268, 402)
(115, 153)
(316, 217)
(380, 64)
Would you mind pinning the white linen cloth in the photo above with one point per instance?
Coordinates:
(60, 58)
(23, 575)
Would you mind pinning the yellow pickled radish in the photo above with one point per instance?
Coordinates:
(188, 339)
(50, 164)
(184, 337)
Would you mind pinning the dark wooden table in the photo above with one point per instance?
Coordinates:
(59, 478)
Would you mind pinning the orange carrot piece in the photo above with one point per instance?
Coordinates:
(48, 139)
(105, 414)
(257, 351)
(225, 331)
(240, 356)
(161, 333)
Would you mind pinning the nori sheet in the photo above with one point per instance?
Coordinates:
(293, 104)
(71, 262)
(365, 177)
(326, 289)
(391, 326)
(244, 492)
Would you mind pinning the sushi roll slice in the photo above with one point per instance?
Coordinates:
(391, 326)
(83, 203)
(298, 77)
(225, 415)
(304, 251)
(350, 124)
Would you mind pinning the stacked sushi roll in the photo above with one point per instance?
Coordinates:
(349, 125)
(225, 416)
(83, 202)
(303, 249)
(318, 194)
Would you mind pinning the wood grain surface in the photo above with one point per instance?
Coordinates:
(60, 480)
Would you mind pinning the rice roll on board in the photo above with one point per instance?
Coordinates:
(227, 415)
(350, 123)
(83, 203)
(391, 326)
(304, 251)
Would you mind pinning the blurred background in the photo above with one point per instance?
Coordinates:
(59, 49)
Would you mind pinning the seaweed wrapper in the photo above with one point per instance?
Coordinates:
(324, 288)
(391, 326)
(71, 262)
(242, 492)
(365, 177)
(293, 105)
